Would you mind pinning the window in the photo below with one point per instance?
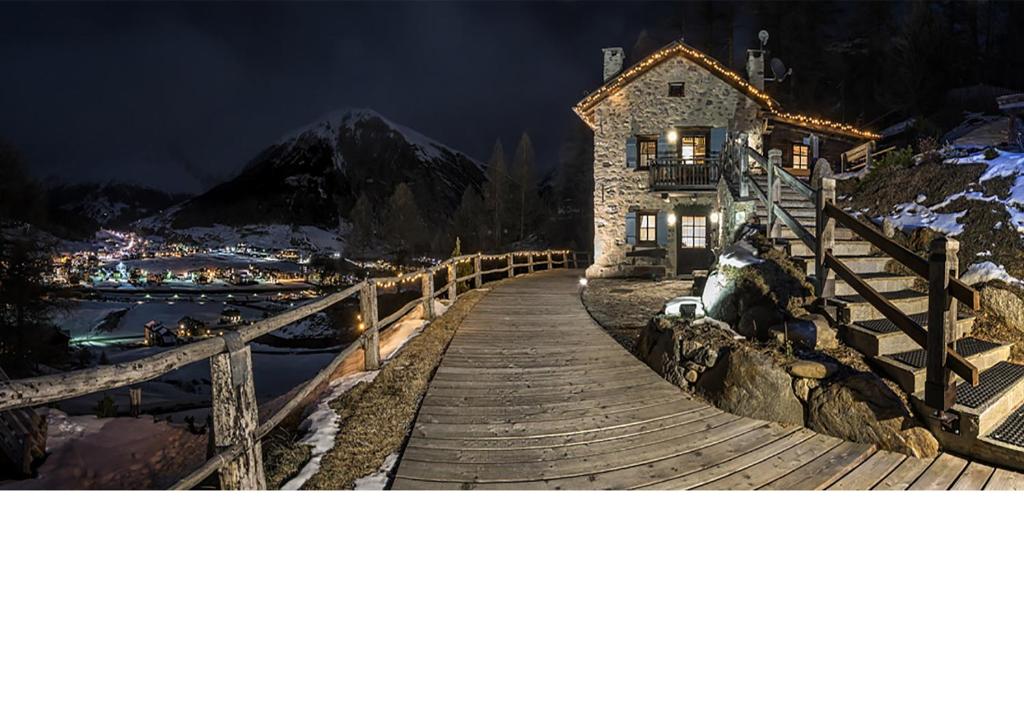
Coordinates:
(801, 157)
(676, 89)
(693, 231)
(693, 148)
(647, 229)
(646, 151)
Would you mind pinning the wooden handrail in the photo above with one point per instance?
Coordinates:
(756, 156)
(954, 361)
(794, 182)
(801, 232)
(912, 261)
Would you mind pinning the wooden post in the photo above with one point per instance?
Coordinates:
(774, 159)
(825, 230)
(134, 401)
(551, 264)
(453, 277)
(529, 262)
(371, 333)
(478, 276)
(741, 148)
(427, 290)
(236, 415)
(867, 155)
(939, 390)
(511, 262)
(565, 259)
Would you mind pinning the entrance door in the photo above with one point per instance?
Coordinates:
(693, 252)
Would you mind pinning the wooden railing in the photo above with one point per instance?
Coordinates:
(677, 173)
(940, 270)
(237, 431)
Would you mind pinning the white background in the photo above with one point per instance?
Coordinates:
(331, 605)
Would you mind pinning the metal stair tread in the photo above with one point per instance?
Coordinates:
(991, 383)
(965, 346)
(882, 325)
(1011, 430)
(893, 295)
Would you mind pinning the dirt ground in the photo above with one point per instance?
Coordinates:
(624, 306)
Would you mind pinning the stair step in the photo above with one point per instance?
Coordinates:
(854, 308)
(882, 337)
(907, 368)
(983, 408)
(883, 282)
(840, 233)
(842, 249)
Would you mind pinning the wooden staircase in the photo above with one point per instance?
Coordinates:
(983, 420)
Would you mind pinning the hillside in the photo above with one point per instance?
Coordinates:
(87, 207)
(314, 175)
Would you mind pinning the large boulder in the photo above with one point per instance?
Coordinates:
(746, 382)
(862, 408)
(1003, 303)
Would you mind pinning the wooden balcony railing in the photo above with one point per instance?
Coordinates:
(677, 174)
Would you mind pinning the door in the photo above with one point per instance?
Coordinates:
(692, 252)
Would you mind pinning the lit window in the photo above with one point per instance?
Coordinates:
(647, 151)
(693, 148)
(648, 228)
(801, 157)
(693, 231)
(676, 89)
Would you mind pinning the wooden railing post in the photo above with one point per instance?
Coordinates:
(236, 415)
(939, 390)
(551, 264)
(565, 259)
(744, 164)
(453, 277)
(774, 191)
(825, 230)
(478, 278)
(511, 263)
(427, 290)
(529, 262)
(371, 334)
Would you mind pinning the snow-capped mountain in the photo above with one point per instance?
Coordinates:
(314, 176)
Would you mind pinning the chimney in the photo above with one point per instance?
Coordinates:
(755, 68)
(613, 58)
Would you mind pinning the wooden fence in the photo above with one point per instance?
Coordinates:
(940, 270)
(237, 430)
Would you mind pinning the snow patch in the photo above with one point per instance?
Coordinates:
(379, 479)
(988, 271)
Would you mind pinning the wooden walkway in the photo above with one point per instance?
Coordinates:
(533, 394)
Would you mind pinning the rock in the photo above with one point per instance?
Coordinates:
(862, 408)
(757, 321)
(660, 353)
(812, 332)
(1003, 303)
(810, 369)
(747, 382)
(802, 388)
(690, 376)
(888, 227)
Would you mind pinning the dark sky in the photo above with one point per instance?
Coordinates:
(175, 95)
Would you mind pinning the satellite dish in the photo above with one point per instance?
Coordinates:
(779, 69)
(763, 37)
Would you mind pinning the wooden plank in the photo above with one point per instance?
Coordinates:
(941, 474)
(1005, 480)
(766, 471)
(974, 477)
(870, 472)
(904, 474)
(824, 470)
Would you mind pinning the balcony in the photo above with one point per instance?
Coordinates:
(684, 174)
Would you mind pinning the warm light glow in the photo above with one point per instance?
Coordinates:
(739, 216)
(583, 282)
(671, 219)
(672, 136)
(713, 217)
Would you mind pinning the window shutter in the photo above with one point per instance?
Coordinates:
(631, 228)
(665, 151)
(662, 228)
(631, 152)
(717, 140)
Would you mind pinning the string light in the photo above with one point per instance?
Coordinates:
(584, 107)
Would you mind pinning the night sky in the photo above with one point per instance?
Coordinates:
(181, 95)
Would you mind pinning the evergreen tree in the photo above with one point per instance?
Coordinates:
(496, 196)
(525, 199)
(25, 307)
(404, 232)
(363, 241)
(470, 220)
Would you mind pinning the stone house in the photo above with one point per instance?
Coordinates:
(662, 203)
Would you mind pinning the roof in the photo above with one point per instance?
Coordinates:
(676, 49)
(584, 108)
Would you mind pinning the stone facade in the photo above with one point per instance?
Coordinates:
(644, 107)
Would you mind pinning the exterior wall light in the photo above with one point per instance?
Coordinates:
(671, 219)
(713, 217)
(672, 136)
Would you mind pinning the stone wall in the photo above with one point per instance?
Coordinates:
(644, 107)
